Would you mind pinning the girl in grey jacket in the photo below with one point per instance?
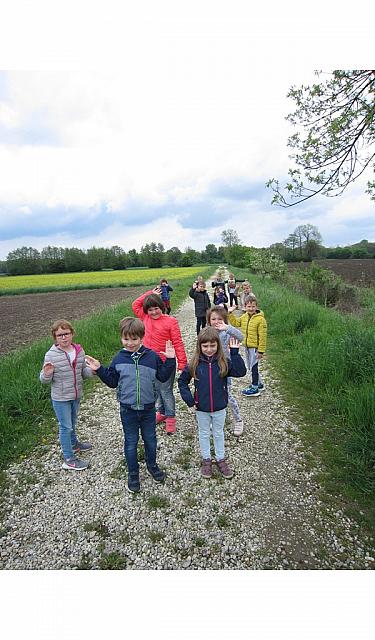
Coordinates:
(65, 368)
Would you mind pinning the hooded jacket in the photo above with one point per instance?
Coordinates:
(159, 331)
(201, 302)
(210, 389)
(67, 378)
(134, 376)
(254, 329)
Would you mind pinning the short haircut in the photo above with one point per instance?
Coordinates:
(64, 324)
(152, 300)
(132, 327)
(201, 282)
(250, 298)
(221, 311)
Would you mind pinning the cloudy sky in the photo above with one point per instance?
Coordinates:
(168, 130)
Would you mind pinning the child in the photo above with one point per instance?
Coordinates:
(210, 369)
(217, 317)
(201, 303)
(165, 289)
(246, 289)
(233, 289)
(64, 367)
(254, 328)
(158, 329)
(220, 297)
(134, 371)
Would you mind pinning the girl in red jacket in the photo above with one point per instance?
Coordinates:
(159, 328)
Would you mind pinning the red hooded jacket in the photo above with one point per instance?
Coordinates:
(157, 332)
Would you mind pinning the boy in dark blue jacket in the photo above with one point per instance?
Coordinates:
(209, 368)
(134, 371)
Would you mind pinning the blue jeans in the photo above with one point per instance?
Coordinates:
(165, 401)
(134, 420)
(66, 413)
(206, 422)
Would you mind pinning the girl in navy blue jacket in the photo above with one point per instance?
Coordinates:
(209, 368)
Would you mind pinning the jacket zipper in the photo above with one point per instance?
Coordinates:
(210, 386)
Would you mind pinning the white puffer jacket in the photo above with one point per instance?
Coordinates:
(67, 378)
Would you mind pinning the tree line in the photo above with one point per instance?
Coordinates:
(28, 260)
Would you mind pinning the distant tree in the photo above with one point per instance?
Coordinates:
(133, 258)
(24, 261)
(335, 145)
(185, 260)
(172, 256)
(340, 253)
(53, 259)
(229, 237)
(210, 253)
(152, 255)
(75, 259)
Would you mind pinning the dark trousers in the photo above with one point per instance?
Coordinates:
(255, 374)
(233, 298)
(201, 323)
(134, 421)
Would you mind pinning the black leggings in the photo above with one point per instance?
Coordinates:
(201, 323)
(232, 296)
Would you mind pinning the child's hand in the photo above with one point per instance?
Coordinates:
(194, 285)
(221, 326)
(231, 309)
(48, 369)
(259, 355)
(157, 290)
(192, 410)
(169, 350)
(92, 363)
(234, 343)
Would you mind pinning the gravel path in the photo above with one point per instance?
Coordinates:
(269, 516)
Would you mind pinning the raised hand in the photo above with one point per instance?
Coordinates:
(93, 363)
(169, 350)
(234, 343)
(221, 326)
(231, 309)
(157, 290)
(48, 369)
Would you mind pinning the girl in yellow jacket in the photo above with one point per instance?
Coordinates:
(254, 329)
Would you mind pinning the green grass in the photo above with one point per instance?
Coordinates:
(325, 361)
(26, 415)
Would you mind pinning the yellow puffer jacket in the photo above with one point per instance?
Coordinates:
(254, 329)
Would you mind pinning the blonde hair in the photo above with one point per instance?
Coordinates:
(208, 334)
(221, 311)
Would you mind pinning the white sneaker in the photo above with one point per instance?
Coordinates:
(238, 428)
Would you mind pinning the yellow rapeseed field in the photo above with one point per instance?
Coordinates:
(91, 279)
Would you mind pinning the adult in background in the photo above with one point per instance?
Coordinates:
(159, 328)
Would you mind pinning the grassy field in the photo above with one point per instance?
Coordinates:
(325, 361)
(12, 285)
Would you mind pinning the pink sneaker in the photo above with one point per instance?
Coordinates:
(159, 417)
(225, 471)
(206, 468)
(170, 425)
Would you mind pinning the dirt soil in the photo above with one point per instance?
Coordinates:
(27, 318)
(357, 272)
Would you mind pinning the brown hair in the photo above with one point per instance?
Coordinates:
(152, 300)
(132, 327)
(221, 311)
(64, 324)
(208, 334)
(250, 298)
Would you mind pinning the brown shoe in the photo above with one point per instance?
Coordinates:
(206, 468)
(224, 469)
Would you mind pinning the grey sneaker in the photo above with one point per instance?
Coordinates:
(225, 471)
(206, 468)
(74, 464)
(81, 447)
(238, 428)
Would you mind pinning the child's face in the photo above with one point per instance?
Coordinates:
(216, 320)
(63, 337)
(209, 348)
(154, 313)
(200, 286)
(251, 307)
(131, 343)
(247, 288)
